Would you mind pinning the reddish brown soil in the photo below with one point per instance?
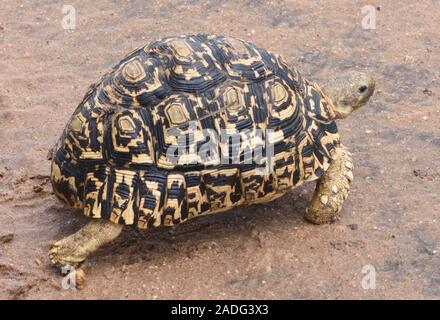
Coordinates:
(390, 221)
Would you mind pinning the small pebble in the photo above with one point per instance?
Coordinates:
(427, 92)
(6, 238)
(80, 278)
(37, 189)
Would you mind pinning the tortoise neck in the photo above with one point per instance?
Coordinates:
(332, 114)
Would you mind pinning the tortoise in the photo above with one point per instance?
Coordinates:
(116, 159)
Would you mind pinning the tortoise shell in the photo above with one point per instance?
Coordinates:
(115, 159)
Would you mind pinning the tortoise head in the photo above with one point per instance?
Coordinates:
(348, 92)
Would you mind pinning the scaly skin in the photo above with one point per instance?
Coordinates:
(74, 249)
(332, 189)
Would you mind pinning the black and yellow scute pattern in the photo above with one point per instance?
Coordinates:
(113, 158)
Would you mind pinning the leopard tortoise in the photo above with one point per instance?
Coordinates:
(116, 159)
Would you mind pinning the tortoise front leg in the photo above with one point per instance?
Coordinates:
(74, 249)
(332, 189)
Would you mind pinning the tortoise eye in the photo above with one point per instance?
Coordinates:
(362, 89)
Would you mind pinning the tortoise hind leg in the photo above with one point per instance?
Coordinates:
(74, 249)
(332, 189)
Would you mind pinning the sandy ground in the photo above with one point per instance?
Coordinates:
(390, 221)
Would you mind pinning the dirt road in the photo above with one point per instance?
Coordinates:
(390, 221)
